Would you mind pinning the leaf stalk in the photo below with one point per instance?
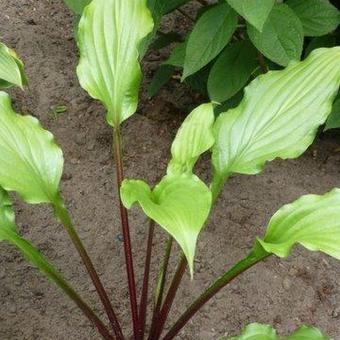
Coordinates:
(144, 298)
(256, 256)
(64, 217)
(169, 299)
(118, 152)
(161, 284)
(29, 251)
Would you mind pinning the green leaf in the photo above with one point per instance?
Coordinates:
(324, 41)
(281, 39)
(198, 81)
(210, 35)
(11, 69)
(158, 9)
(77, 6)
(312, 221)
(232, 71)
(110, 32)
(167, 69)
(31, 162)
(278, 117)
(165, 39)
(318, 17)
(179, 204)
(308, 333)
(194, 137)
(162, 7)
(7, 218)
(333, 121)
(161, 77)
(256, 331)
(177, 55)
(9, 234)
(256, 12)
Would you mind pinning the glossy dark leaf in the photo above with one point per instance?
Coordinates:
(232, 71)
(210, 35)
(281, 39)
(256, 12)
(318, 17)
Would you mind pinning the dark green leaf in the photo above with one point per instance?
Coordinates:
(77, 6)
(333, 121)
(254, 11)
(161, 77)
(230, 103)
(198, 81)
(318, 17)
(165, 39)
(232, 71)
(324, 41)
(281, 39)
(210, 35)
(158, 9)
(177, 55)
(162, 7)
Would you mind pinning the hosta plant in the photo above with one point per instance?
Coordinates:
(278, 117)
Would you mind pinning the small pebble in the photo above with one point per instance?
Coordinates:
(336, 312)
(12, 309)
(80, 139)
(66, 176)
(287, 283)
(120, 238)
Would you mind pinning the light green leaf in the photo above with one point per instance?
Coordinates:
(256, 331)
(7, 218)
(110, 32)
(77, 6)
(194, 137)
(278, 117)
(307, 333)
(232, 70)
(312, 221)
(31, 162)
(255, 12)
(179, 204)
(9, 234)
(209, 36)
(318, 17)
(11, 69)
(281, 39)
(333, 121)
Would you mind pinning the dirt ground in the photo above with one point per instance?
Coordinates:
(303, 289)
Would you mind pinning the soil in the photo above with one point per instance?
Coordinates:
(303, 289)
